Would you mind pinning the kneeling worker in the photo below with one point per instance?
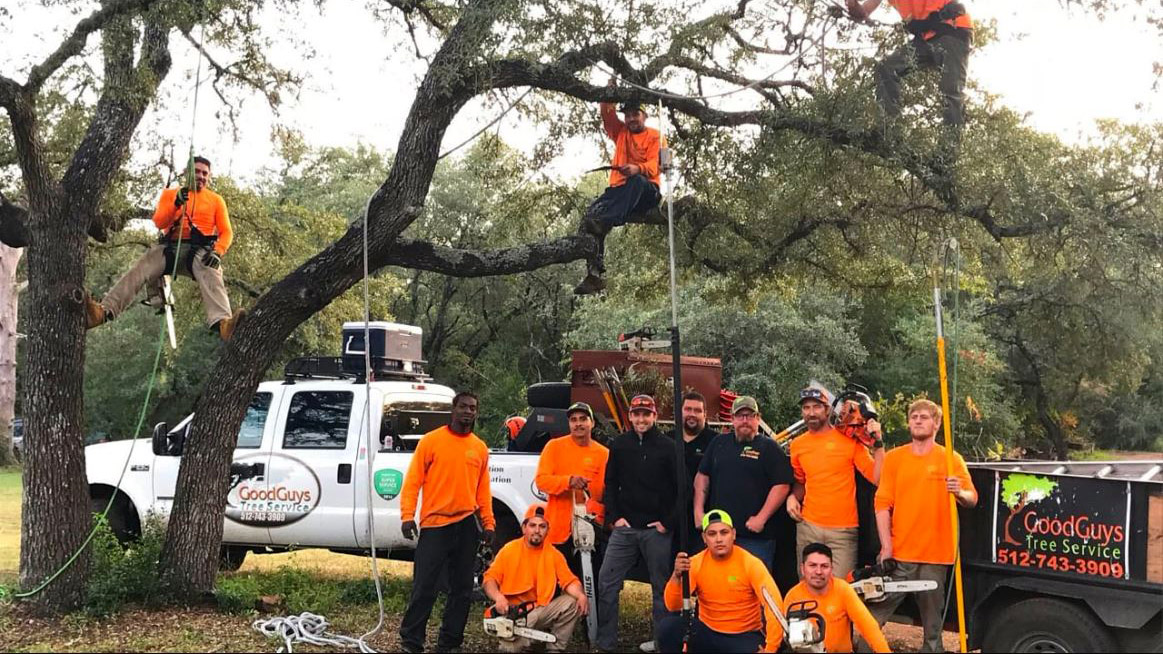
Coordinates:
(526, 570)
(729, 583)
(837, 602)
(199, 216)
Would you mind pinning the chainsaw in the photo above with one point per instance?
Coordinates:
(851, 410)
(872, 583)
(512, 625)
(585, 542)
(803, 628)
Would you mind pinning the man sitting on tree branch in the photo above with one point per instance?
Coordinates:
(199, 215)
(634, 184)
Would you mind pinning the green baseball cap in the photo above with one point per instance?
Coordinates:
(744, 402)
(717, 515)
(580, 407)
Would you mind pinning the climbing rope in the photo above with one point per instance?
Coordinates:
(156, 361)
(308, 629)
(483, 129)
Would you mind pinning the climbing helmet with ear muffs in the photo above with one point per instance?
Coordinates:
(851, 411)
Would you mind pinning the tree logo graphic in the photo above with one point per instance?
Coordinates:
(1020, 491)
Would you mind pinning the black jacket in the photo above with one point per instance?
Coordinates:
(641, 480)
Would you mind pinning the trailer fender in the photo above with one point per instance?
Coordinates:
(1121, 609)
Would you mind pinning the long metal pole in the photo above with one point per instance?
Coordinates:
(667, 168)
(949, 471)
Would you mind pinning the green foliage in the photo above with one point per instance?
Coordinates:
(123, 575)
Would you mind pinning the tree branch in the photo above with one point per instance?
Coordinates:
(455, 262)
(73, 45)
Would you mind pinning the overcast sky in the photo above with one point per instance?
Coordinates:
(1066, 70)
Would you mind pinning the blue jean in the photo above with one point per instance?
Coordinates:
(622, 552)
(705, 639)
(762, 548)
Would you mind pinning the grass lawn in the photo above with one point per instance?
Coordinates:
(9, 524)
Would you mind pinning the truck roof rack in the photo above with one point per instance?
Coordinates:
(337, 368)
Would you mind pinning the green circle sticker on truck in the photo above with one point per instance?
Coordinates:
(388, 483)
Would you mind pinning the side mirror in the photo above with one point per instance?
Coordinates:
(160, 442)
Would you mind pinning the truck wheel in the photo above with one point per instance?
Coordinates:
(122, 517)
(232, 557)
(549, 395)
(1047, 625)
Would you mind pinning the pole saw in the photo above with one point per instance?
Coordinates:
(666, 166)
(585, 542)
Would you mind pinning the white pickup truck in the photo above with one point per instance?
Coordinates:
(299, 476)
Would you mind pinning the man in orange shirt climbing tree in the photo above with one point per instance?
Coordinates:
(913, 519)
(942, 32)
(199, 219)
(527, 571)
(451, 466)
(634, 184)
(835, 600)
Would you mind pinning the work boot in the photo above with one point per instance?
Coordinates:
(226, 326)
(590, 285)
(95, 314)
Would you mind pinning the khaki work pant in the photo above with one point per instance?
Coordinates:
(842, 541)
(559, 617)
(930, 603)
(149, 270)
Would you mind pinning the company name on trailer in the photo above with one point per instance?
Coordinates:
(1076, 526)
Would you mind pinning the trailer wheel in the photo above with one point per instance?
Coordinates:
(549, 395)
(1042, 624)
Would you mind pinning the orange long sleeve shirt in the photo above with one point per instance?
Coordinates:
(640, 149)
(561, 459)
(730, 594)
(841, 608)
(823, 463)
(208, 213)
(525, 573)
(913, 488)
(453, 471)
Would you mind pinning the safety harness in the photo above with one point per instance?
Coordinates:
(937, 21)
(192, 243)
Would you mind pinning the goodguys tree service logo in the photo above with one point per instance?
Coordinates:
(1059, 524)
(270, 490)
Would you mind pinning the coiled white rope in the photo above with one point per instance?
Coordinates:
(309, 629)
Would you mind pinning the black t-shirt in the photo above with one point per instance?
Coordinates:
(741, 475)
(694, 451)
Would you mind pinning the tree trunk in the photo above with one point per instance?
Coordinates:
(1054, 432)
(55, 506)
(9, 303)
(1013, 512)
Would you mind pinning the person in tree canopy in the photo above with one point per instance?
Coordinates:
(942, 32)
(634, 184)
(199, 215)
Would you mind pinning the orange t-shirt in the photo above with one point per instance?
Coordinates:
(913, 488)
(841, 608)
(453, 471)
(209, 215)
(823, 463)
(640, 149)
(561, 459)
(920, 9)
(525, 573)
(730, 594)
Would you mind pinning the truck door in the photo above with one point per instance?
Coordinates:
(311, 468)
(247, 471)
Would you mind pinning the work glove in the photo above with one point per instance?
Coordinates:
(212, 260)
(409, 529)
(489, 537)
(181, 197)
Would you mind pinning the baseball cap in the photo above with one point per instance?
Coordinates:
(643, 403)
(535, 510)
(817, 392)
(580, 407)
(717, 515)
(630, 106)
(744, 402)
